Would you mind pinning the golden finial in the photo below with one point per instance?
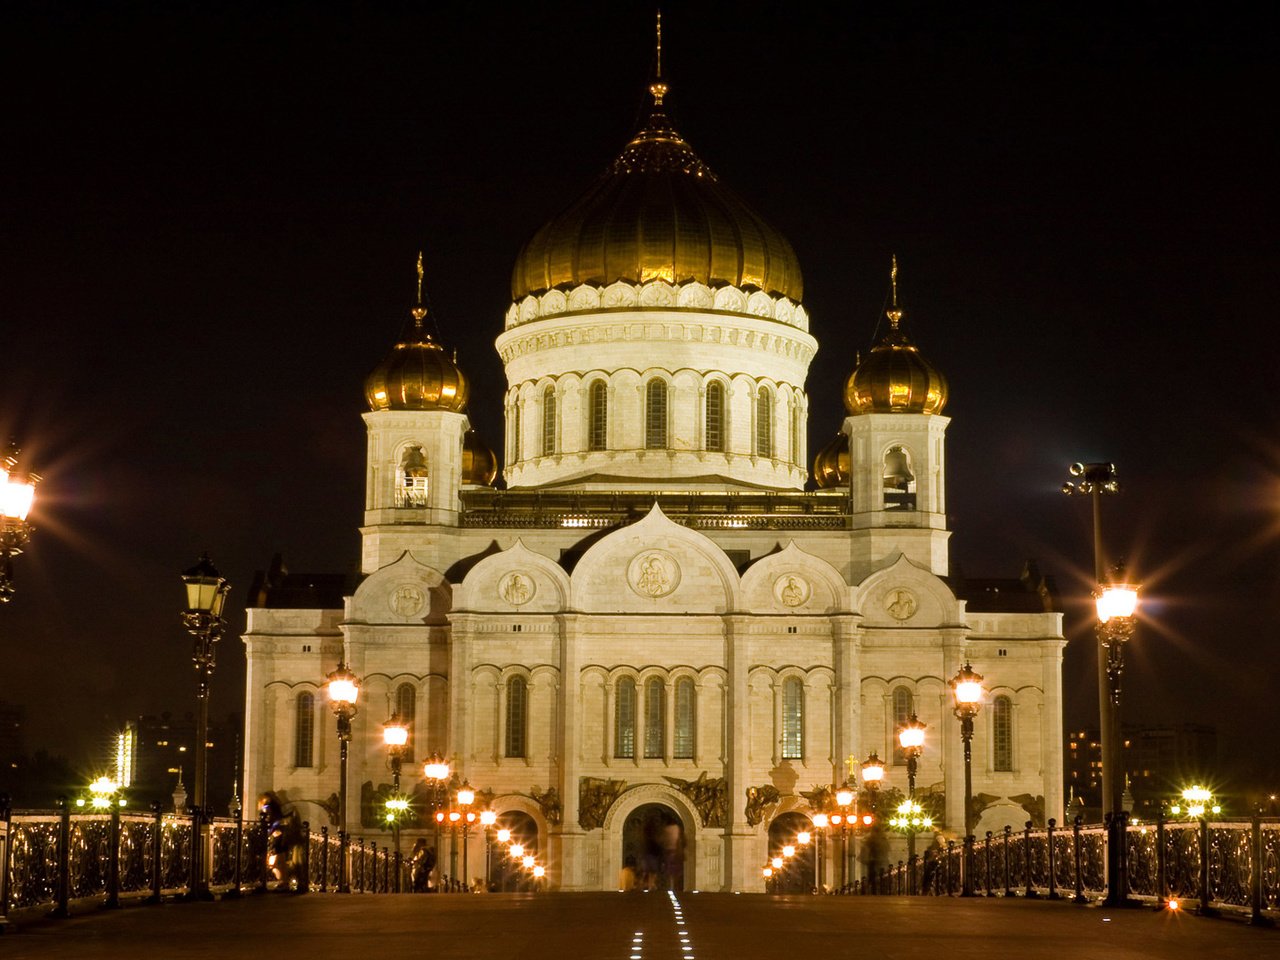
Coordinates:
(894, 314)
(419, 311)
(658, 88)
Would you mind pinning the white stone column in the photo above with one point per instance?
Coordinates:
(568, 840)
(846, 640)
(1051, 726)
(458, 751)
(738, 873)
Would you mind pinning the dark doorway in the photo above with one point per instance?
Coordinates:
(506, 874)
(797, 873)
(653, 847)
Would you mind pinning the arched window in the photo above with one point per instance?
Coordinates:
(407, 711)
(793, 719)
(655, 716)
(515, 429)
(304, 730)
(598, 417)
(655, 415)
(517, 716)
(414, 483)
(899, 483)
(764, 423)
(715, 416)
(902, 711)
(686, 719)
(1002, 733)
(548, 421)
(797, 454)
(624, 718)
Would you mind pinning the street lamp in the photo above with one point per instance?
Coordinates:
(966, 687)
(344, 690)
(844, 800)
(1117, 604)
(436, 771)
(488, 818)
(872, 777)
(395, 735)
(17, 494)
(206, 595)
(911, 740)
(465, 796)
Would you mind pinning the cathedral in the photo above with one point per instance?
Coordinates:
(660, 616)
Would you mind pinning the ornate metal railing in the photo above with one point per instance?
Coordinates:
(1227, 865)
(52, 861)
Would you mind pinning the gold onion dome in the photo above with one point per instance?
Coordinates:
(895, 378)
(658, 212)
(418, 374)
(479, 465)
(831, 465)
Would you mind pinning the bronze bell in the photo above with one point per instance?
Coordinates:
(897, 474)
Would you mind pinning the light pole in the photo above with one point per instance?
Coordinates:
(844, 800)
(344, 690)
(1116, 603)
(872, 777)
(17, 494)
(487, 820)
(206, 594)
(436, 771)
(821, 821)
(911, 740)
(966, 687)
(466, 796)
(395, 735)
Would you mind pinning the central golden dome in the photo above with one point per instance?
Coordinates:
(658, 212)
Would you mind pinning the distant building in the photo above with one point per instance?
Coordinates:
(12, 742)
(1160, 759)
(161, 746)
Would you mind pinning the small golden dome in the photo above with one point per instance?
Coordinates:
(479, 465)
(831, 465)
(658, 212)
(895, 378)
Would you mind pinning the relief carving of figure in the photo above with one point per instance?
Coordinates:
(516, 589)
(595, 796)
(792, 593)
(1034, 805)
(709, 797)
(407, 600)
(653, 578)
(900, 604)
(549, 802)
(757, 799)
(820, 798)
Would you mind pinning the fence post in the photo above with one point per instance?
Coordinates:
(304, 881)
(1075, 852)
(62, 897)
(113, 859)
(951, 846)
(360, 882)
(6, 839)
(386, 869)
(237, 872)
(398, 871)
(1008, 886)
(1205, 909)
(157, 837)
(1053, 880)
(324, 858)
(1162, 879)
(987, 854)
(1255, 879)
(1031, 892)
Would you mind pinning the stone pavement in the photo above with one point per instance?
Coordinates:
(652, 926)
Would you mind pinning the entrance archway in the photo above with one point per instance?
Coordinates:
(653, 846)
(505, 874)
(797, 875)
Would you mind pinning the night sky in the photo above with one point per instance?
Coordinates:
(211, 213)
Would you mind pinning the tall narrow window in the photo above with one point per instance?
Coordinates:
(764, 423)
(793, 719)
(796, 456)
(624, 718)
(549, 421)
(655, 415)
(682, 748)
(304, 730)
(517, 716)
(655, 717)
(515, 429)
(901, 707)
(1002, 733)
(407, 711)
(715, 416)
(598, 414)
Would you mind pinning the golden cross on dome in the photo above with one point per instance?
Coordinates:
(658, 88)
(894, 314)
(419, 311)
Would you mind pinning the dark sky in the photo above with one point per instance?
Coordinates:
(210, 216)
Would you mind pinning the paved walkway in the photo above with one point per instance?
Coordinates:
(653, 926)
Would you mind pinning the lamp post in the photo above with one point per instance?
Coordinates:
(966, 687)
(872, 777)
(1116, 603)
(17, 494)
(821, 821)
(466, 796)
(344, 690)
(206, 594)
(487, 820)
(436, 771)
(844, 800)
(395, 735)
(911, 740)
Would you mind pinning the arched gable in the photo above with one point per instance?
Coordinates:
(793, 581)
(517, 580)
(655, 566)
(404, 592)
(904, 594)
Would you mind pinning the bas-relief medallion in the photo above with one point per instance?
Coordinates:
(517, 588)
(407, 600)
(653, 574)
(901, 604)
(791, 590)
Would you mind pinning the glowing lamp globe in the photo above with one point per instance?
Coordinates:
(504, 835)
(1117, 601)
(872, 769)
(844, 798)
(466, 795)
(517, 851)
(789, 850)
(435, 768)
(776, 863)
(395, 733)
(820, 820)
(528, 862)
(488, 818)
(911, 736)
